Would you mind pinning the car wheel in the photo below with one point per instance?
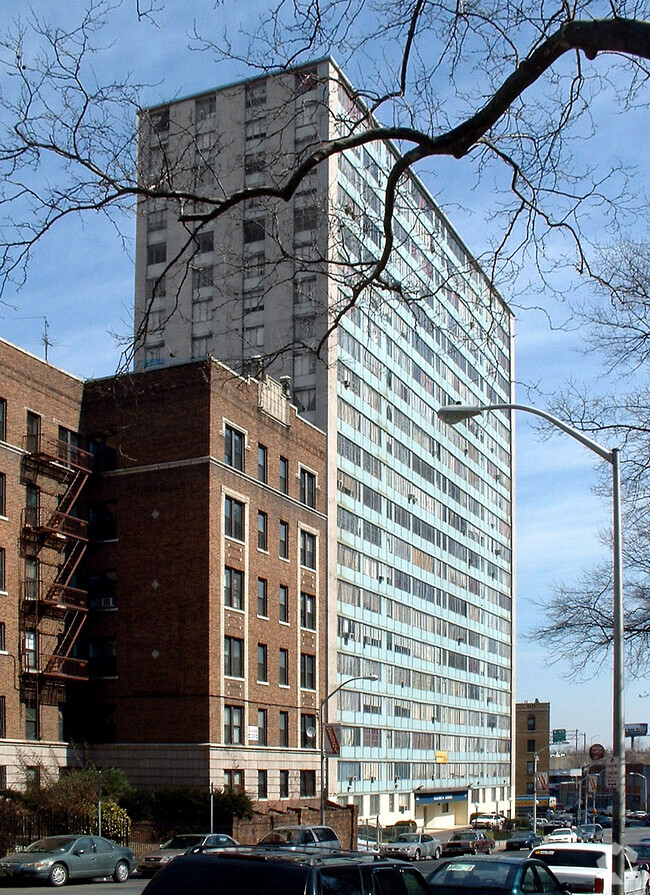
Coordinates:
(58, 875)
(418, 854)
(488, 850)
(438, 853)
(472, 850)
(121, 872)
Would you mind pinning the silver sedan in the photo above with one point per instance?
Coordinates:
(415, 846)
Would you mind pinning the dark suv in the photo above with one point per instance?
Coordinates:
(250, 871)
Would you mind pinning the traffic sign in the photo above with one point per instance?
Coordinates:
(596, 752)
(559, 735)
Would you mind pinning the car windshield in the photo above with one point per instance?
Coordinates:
(53, 843)
(472, 875)
(407, 837)
(186, 841)
(280, 837)
(459, 837)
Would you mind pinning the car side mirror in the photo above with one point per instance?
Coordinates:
(79, 851)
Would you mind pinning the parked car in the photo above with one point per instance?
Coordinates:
(589, 833)
(489, 821)
(587, 867)
(279, 872)
(503, 875)
(523, 839)
(562, 834)
(468, 842)
(57, 859)
(412, 845)
(152, 861)
(641, 850)
(301, 836)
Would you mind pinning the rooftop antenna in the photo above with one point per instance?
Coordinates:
(46, 338)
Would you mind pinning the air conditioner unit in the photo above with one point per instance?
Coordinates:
(109, 602)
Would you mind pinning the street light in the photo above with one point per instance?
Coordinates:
(455, 413)
(323, 758)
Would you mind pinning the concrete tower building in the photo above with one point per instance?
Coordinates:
(420, 563)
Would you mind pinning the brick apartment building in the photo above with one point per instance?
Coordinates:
(42, 612)
(202, 587)
(533, 736)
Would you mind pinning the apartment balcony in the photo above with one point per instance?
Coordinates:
(56, 524)
(57, 452)
(44, 595)
(62, 668)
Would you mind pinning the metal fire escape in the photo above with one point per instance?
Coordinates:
(52, 610)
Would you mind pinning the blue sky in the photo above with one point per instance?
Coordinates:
(81, 279)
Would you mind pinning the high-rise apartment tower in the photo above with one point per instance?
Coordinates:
(420, 561)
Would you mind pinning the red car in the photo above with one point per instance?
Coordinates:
(468, 842)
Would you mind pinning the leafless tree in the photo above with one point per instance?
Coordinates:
(507, 86)
(577, 626)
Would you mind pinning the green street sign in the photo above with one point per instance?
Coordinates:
(559, 736)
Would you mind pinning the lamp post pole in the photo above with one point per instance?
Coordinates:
(455, 413)
(321, 723)
(535, 763)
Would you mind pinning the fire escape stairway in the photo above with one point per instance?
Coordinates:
(70, 466)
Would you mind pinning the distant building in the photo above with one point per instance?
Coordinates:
(532, 741)
(420, 514)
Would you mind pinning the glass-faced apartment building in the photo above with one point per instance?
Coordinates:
(420, 563)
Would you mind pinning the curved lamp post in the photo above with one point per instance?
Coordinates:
(455, 413)
(321, 724)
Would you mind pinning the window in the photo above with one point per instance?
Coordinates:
(262, 598)
(283, 666)
(156, 220)
(254, 162)
(3, 494)
(3, 641)
(530, 767)
(284, 784)
(308, 783)
(307, 488)
(305, 218)
(3, 580)
(3, 717)
(262, 785)
(307, 671)
(202, 278)
(205, 108)
(530, 746)
(205, 243)
(531, 720)
(32, 505)
(262, 531)
(305, 399)
(233, 724)
(157, 253)
(284, 540)
(262, 663)
(30, 648)
(262, 463)
(284, 475)
(307, 550)
(31, 721)
(262, 727)
(33, 431)
(233, 589)
(530, 789)
(160, 120)
(308, 611)
(254, 231)
(3, 419)
(283, 729)
(253, 337)
(234, 519)
(234, 780)
(283, 600)
(102, 657)
(234, 448)
(256, 94)
(307, 731)
(233, 657)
